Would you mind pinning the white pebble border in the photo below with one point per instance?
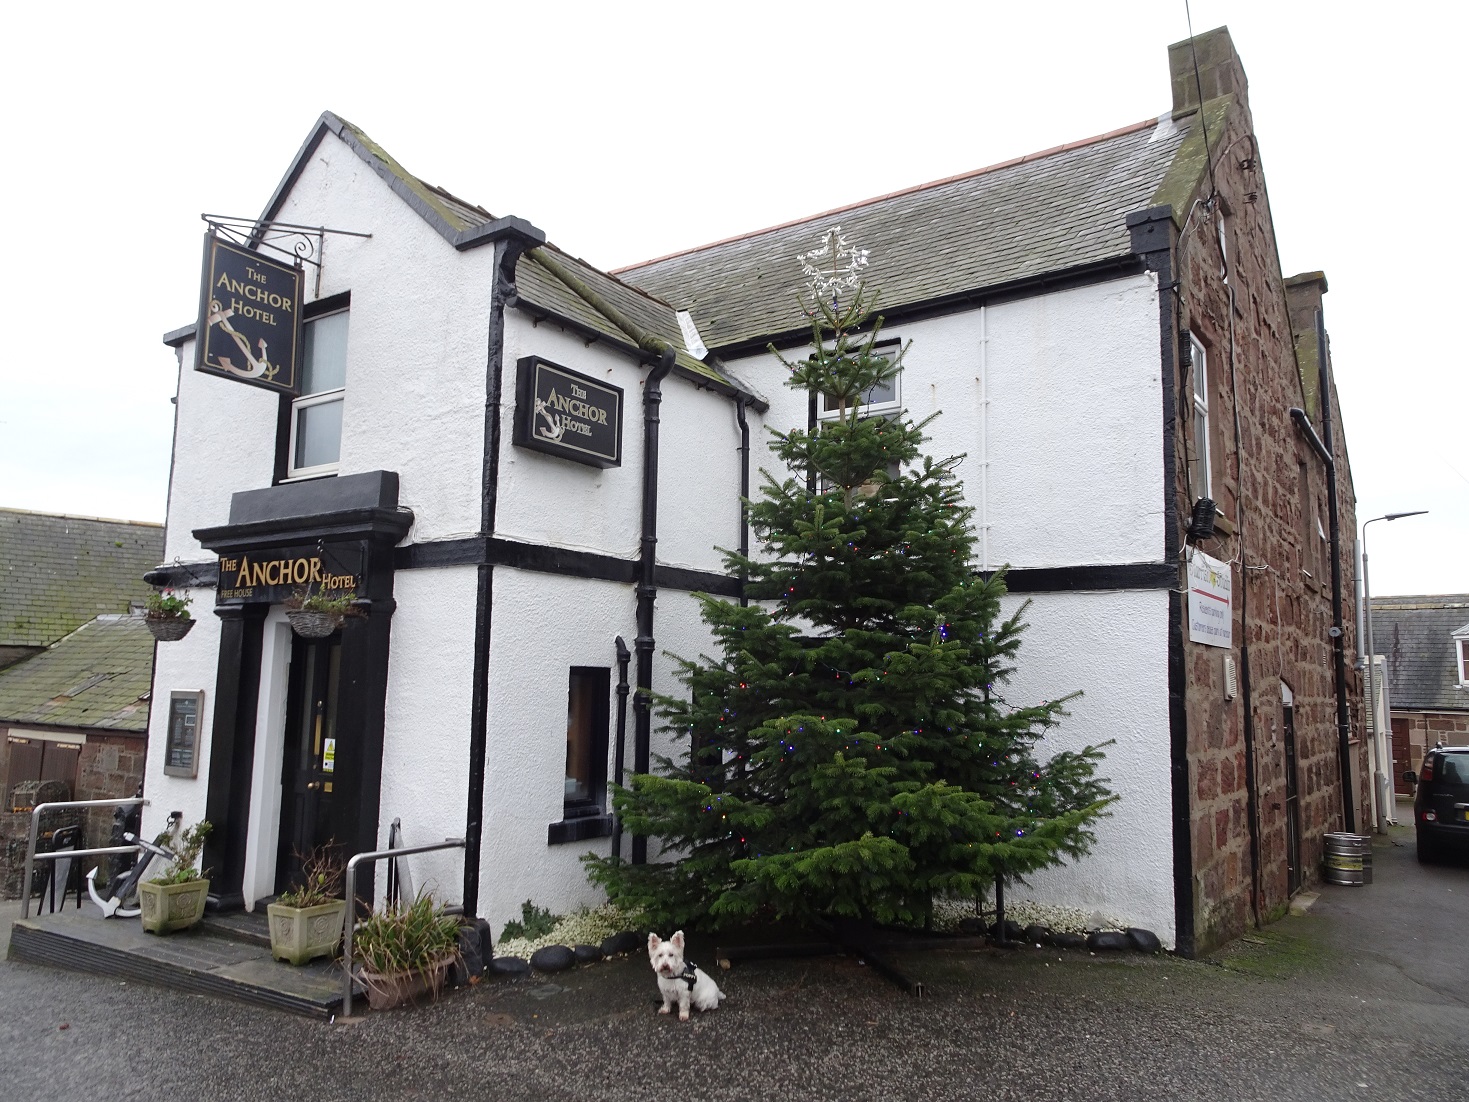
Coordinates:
(583, 928)
(591, 927)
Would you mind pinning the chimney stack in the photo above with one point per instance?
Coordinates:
(1219, 70)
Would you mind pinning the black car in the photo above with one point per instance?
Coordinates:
(1441, 808)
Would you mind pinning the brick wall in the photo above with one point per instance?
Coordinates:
(1271, 489)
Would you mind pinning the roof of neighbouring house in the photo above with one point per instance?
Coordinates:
(1415, 636)
(1061, 209)
(98, 677)
(57, 572)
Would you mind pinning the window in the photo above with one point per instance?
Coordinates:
(316, 416)
(1202, 471)
(881, 399)
(586, 741)
(1463, 645)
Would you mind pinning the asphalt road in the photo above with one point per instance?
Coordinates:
(1364, 997)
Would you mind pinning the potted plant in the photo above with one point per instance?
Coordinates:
(306, 922)
(174, 899)
(167, 615)
(315, 615)
(405, 951)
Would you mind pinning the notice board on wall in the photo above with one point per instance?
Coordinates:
(181, 746)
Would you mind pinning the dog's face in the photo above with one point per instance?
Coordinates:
(666, 956)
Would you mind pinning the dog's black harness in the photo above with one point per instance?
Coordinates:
(690, 974)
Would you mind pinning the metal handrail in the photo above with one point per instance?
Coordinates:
(31, 854)
(349, 919)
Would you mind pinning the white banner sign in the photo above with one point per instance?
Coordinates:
(1210, 616)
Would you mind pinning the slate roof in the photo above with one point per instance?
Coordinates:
(1415, 636)
(1044, 213)
(97, 677)
(58, 572)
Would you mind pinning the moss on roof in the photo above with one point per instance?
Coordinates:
(98, 676)
(429, 194)
(1191, 163)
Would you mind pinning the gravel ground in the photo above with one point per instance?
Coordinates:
(1348, 1001)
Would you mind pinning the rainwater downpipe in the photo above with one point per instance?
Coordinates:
(647, 592)
(624, 656)
(1324, 450)
(984, 440)
(741, 408)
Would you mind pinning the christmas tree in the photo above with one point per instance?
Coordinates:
(848, 751)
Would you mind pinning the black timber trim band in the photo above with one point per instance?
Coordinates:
(1153, 232)
(478, 551)
(1067, 579)
(1083, 275)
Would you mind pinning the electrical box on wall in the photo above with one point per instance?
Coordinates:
(1231, 678)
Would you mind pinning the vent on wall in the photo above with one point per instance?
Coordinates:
(1231, 678)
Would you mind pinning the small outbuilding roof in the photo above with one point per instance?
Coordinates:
(97, 677)
(57, 572)
(1415, 636)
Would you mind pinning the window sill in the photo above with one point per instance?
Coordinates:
(576, 830)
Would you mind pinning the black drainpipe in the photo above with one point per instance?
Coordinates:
(1338, 639)
(647, 592)
(508, 249)
(740, 406)
(623, 657)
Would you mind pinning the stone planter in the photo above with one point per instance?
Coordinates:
(396, 988)
(168, 907)
(169, 629)
(311, 624)
(299, 934)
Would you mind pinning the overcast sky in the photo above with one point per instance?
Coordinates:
(630, 130)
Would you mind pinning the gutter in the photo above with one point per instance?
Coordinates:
(1324, 449)
(646, 590)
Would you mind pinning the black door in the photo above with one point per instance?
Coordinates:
(1292, 805)
(311, 756)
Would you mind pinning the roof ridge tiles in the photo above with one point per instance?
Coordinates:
(972, 173)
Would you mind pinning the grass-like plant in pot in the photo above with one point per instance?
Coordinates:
(306, 921)
(174, 899)
(315, 614)
(405, 951)
(167, 615)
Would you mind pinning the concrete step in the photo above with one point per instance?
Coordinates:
(200, 960)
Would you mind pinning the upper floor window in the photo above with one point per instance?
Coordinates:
(316, 416)
(880, 400)
(1463, 663)
(1202, 472)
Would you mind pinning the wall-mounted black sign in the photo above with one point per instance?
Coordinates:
(181, 747)
(267, 577)
(563, 412)
(249, 318)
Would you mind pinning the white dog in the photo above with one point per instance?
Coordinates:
(681, 981)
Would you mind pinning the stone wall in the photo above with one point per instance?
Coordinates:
(1270, 488)
(110, 767)
(1426, 729)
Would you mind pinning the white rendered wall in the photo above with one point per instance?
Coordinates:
(546, 499)
(1075, 419)
(698, 476)
(425, 778)
(187, 665)
(542, 626)
(1114, 647)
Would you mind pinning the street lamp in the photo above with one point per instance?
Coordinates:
(1381, 784)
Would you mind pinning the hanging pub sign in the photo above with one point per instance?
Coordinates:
(249, 318)
(269, 577)
(563, 412)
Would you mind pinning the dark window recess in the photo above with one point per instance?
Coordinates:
(40, 760)
(585, 791)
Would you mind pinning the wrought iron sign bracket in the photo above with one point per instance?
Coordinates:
(303, 244)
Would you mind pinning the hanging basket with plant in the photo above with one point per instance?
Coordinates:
(167, 615)
(316, 614)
